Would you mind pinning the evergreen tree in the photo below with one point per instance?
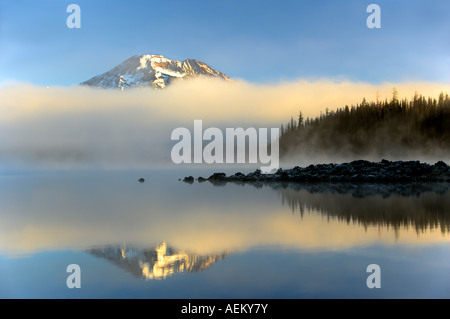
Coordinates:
(300, 119)
(394, 95)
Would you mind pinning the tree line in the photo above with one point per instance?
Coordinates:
(377, 127)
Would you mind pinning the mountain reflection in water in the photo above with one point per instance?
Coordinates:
(103, 209)
(240, 240)
(155, 263)
(421, 207)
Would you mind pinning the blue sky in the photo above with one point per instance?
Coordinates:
(258, 41)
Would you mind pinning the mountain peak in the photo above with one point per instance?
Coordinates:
(152, 70)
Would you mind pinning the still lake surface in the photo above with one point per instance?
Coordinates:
(165, 238)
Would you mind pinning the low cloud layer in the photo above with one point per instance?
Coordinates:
(80, 127)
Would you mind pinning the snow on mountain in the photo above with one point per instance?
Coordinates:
(152, 70)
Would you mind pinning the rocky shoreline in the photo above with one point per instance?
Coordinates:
(358, 171)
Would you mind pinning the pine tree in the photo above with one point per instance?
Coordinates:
(394, 95)
(300, 119)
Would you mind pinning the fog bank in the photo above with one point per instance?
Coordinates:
(82, 127)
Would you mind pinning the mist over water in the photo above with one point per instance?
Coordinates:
(82, 127)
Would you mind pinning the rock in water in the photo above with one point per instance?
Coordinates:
(141, 180)
(189, 179)
(359, 171)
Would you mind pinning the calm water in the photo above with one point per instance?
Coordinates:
(168, 239)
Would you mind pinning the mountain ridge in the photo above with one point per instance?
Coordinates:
(152, 70)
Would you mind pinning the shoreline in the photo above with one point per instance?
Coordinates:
(355, 172)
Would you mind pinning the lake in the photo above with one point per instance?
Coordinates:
(165, 238)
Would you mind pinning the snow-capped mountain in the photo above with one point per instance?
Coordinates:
(155, 263)
(152, 70)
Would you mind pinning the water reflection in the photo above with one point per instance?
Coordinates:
(427, 211)
(421, 206)
(79, 211)
(155, 263)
